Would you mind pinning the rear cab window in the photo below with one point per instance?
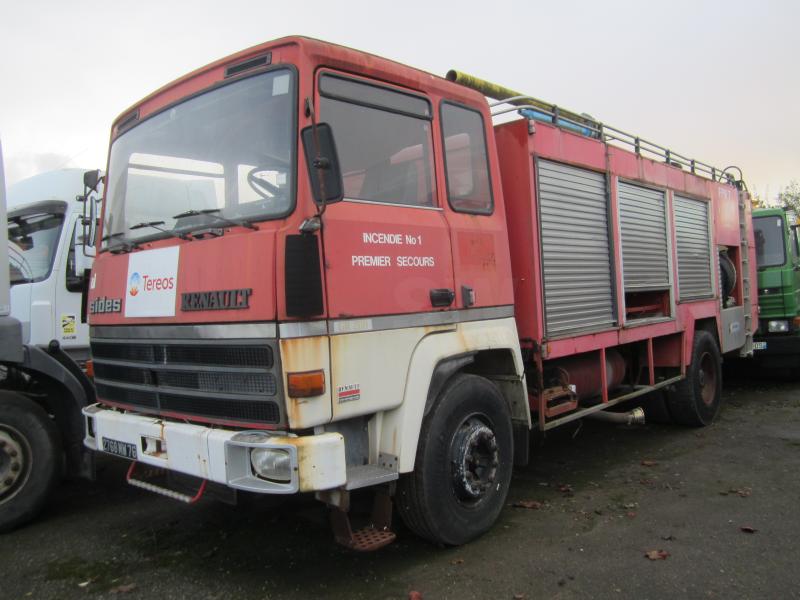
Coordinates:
(469, 186)
(383, 139)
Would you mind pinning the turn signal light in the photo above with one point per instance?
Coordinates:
(90, 369)
(306, 384)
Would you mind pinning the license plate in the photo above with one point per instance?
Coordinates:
(759, 345)
(123, 449)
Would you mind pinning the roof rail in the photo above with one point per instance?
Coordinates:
(528, 107)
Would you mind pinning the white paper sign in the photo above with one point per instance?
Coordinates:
(152, 282)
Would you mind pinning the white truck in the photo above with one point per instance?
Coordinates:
(46, 259)
(44, 270)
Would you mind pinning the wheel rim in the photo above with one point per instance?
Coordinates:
(707, 378)
(15, 462)
(474, 457)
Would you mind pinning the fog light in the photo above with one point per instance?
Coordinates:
(778, 326)
(272, 463)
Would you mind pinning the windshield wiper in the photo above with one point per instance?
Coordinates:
(155, 225)
(121, 246)
(210, 212)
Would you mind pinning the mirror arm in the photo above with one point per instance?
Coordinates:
(317, 164)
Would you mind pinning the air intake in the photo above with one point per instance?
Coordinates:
(251, 63)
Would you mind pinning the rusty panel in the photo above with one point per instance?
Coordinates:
(306, 354)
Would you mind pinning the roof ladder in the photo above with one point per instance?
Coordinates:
(747, 349)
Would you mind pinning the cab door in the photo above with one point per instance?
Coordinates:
(794, 242)
(387, 245)
(475, 212)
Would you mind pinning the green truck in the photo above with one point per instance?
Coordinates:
(777, 342)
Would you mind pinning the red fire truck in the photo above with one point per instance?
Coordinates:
(323, 271)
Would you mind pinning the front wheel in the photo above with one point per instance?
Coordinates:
(30, 459)
(463, 464)
(696, 400)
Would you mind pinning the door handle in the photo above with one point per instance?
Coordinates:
(442, 297)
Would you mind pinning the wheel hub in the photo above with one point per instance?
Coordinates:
(13, 471)
(475, 458)
(707, 379)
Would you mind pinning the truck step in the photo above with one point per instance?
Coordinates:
(366, 475)
(151, 479)
(375, 535)
(558, 401)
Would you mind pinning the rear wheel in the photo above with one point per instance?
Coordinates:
(696, 400)
(463, 464)
(30, 459)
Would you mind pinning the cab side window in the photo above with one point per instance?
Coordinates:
(466, 164)
(383, 139)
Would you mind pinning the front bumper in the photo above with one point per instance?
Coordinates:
(220, 455)
(778, 344)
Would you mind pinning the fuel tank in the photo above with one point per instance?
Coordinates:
(583, 372)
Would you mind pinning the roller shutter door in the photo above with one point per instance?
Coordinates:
(573, 210)
(694, 248)
(645, 258)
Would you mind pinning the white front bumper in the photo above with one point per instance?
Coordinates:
(220, 455)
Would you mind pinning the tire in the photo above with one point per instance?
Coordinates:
(727, 271)
(30, 459)
(655, 409)
(696, 400)
(451, 498)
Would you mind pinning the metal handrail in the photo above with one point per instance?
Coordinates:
(607, 133)
(560, 117)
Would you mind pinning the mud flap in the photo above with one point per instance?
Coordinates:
(522, 443)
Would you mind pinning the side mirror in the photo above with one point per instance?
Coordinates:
(89, 223)
(91, 179)
(79, 263)
(323, 163)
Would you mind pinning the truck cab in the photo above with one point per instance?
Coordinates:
(300, 244)
(777, 343)
(47, 260)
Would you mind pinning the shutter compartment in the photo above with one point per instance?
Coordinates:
(576, 265)
(694, 248)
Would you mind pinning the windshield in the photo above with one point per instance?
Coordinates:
(231, 149)
(770, 246)
(32, 244)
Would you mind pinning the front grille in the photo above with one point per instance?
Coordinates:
(144, 353)
(771, 304)
(230, 383)
(125, 374)
(127, 396)
(226, 382)
(238, 410)
(234, 356)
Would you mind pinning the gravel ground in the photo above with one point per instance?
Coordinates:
(719, 506)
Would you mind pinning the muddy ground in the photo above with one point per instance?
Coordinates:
(721, 504)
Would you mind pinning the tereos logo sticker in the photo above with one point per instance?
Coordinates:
(152, 283)
(133, 284)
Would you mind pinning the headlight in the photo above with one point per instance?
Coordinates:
(778, 326)
(272, 463)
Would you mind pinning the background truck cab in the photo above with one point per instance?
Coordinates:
(47, 260)
(777, 343)
(42, 389)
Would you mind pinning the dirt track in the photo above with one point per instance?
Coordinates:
(606, 496)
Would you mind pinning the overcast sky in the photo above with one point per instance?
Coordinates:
(715, 80)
